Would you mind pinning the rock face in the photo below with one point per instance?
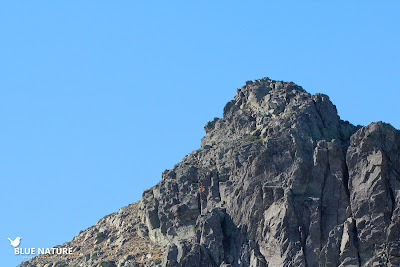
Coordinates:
(280, 180)
(373, 159)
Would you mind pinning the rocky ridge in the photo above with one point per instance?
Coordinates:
(280, 180)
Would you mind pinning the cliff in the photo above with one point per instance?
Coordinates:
(280, 180)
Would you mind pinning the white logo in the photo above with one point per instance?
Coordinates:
(16, 242)
(38, 251)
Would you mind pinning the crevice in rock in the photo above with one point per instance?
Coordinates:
(389, 187)
(198, 201)
(393, 199)
(322, 213)
(319, 113)
(346, 179)
(228, 242)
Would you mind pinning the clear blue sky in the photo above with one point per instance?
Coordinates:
(99, 97)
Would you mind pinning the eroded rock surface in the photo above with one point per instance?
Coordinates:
(118, 239)
(280, 180)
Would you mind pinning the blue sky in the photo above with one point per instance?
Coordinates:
(99, 97)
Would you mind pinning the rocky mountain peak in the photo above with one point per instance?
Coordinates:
(264, 96)
(265, 107)
(279, 180)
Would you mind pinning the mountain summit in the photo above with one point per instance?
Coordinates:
(280, 180)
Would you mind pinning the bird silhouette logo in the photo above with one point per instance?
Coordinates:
(16, 242)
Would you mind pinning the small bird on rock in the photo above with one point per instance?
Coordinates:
(16, 242)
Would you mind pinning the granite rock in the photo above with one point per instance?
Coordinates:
(279, 180)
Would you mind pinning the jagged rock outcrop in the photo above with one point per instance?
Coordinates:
(373, 160)
(280, 180)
